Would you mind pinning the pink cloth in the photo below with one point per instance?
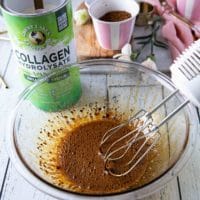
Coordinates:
(178, 34)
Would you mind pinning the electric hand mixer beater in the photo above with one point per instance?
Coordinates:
(186, 76)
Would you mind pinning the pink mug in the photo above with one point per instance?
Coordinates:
(113, 35)
(189, 9)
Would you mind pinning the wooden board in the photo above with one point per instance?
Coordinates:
(87, 44)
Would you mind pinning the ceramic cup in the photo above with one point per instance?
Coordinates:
(113, 35)
(189, 9)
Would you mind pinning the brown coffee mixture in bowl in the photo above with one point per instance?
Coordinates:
(70, 154)
(81, 162)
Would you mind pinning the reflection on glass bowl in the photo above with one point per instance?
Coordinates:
(108, 86)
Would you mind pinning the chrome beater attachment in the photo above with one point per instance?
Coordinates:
(122, 152)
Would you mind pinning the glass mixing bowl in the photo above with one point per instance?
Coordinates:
(127, 87)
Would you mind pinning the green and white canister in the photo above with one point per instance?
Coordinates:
(43, 42)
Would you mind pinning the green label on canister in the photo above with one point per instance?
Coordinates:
(43, 42)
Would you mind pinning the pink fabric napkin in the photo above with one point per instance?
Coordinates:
(178, 34)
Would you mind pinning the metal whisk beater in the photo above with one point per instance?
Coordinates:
(128, 150)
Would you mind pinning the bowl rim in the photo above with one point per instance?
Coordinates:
(142, 191)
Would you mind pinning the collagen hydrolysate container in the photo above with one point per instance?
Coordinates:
(43, 42)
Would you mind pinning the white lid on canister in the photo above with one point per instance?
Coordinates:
(24, 7)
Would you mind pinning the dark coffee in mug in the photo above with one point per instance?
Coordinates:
(115, 16)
